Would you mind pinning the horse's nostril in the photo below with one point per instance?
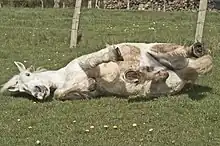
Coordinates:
(46, 89)
(38, 89)
(41, 89)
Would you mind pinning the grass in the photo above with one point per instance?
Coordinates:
(190, 118)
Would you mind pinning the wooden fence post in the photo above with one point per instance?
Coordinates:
(201, 20)
(75, 24)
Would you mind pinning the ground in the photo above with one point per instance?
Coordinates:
(190, 118)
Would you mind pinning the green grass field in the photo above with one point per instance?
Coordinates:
(191, 118)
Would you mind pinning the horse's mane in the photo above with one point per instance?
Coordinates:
(36, 70)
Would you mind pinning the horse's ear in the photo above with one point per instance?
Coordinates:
(107, 45)
(114, 46)
(20, 66)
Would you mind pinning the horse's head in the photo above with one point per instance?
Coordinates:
(27, 82)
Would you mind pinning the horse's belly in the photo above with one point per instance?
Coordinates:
(110, 78)
(122, 88)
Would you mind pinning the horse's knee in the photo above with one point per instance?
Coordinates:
(70, 95)
(162, 75)
(58, 94)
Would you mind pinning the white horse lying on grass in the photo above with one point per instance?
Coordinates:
(125, 69)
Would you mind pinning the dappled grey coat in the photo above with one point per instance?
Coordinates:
(146, 70)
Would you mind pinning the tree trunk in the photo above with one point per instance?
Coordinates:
(89, 4)
(97, 4)
(104, 3)
(164, 5)
(56, 3)
(64, 5)
(42, 4)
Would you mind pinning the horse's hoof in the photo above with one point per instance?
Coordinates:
(198, 50)
(92, 84)
(162, 75)
(118, 55)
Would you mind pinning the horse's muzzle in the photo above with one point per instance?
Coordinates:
(40, 92)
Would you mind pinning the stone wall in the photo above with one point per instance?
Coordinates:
(170, 5)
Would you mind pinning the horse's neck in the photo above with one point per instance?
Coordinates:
(55, 78)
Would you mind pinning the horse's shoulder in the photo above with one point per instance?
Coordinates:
(165, 47)
(130, 52)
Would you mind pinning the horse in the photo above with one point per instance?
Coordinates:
(124, 69)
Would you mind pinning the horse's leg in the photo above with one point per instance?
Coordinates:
(79, 90)
(177, 79)
(77, 95)
(195, 67)
(202, 65)
(163, 82)
(77, 79)
(91, 60)
(171, 85)
(177, 58)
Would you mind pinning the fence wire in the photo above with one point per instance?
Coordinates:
(135, 25)
(127, 25)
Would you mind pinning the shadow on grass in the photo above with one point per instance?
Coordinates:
(29, 97)
(194, 92)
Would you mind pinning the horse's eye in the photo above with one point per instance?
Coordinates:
(27, 74)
